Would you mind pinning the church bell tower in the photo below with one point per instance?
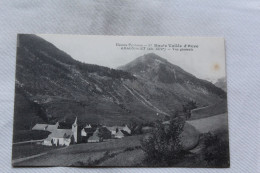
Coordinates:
(75, 130)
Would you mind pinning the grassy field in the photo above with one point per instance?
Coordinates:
(216, 109)
(29, 149)
(84, 154)
(113, 152)
(126, 158)
(121, 152)
(211, 124)
(27, 135)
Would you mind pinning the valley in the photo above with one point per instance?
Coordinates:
(51, 87)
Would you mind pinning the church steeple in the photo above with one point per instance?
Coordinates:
(75, 130)
(76, 121)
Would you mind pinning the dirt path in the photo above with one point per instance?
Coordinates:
(24, 142)
(26, 158)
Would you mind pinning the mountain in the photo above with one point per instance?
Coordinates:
(51, 86)
(156, 69)
(221, 83)
(172, 83)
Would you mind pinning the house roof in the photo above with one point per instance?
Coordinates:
(61, 133)
(120, 133)
(124, 132)
(126, 128)
(94, 137)
(51, 127)
(47, 127)
(88, 126)
(39, 126)
(97, 131)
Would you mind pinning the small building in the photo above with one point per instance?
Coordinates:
(87, 131)
(105, 133)
(120, 134)
(95, 138)
(115, 129)
(88, 126)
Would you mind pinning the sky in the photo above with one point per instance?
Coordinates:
(206, 61)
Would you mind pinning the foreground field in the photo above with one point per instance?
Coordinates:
(127, 158)
(29, 149)
(204, 112)
(122, 152)
(85, 154)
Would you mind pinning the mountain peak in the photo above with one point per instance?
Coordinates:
(150, 57)
(143, 62)
(154, 68)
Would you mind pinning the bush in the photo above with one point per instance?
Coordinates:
(129, 149)
(216, 151)
(163, 146)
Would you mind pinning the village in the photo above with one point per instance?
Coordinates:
(62, 135)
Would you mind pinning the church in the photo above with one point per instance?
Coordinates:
(59, 137)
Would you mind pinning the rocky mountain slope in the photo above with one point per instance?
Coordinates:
(222, 83)
(51, 86)
(169, 86)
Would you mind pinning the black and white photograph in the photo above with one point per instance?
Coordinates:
(120, 101)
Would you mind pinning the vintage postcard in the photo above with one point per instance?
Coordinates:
(120, 101)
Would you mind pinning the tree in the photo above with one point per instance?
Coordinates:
(166, 118)
(132, 125)
(188, 107)
(163, 146)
